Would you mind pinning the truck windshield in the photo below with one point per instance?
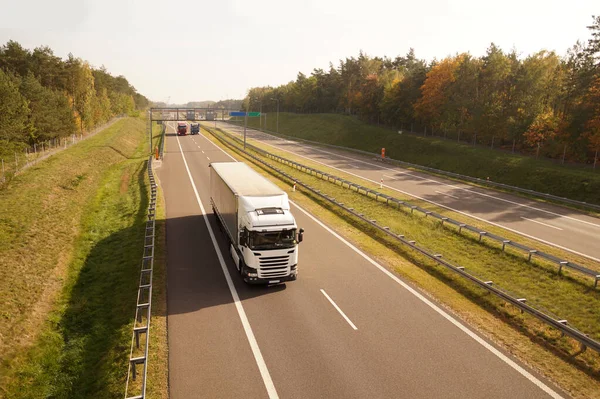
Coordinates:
(273, 239)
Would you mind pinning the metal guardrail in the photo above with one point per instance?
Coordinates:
(143, 310)
(483, 182)
(520, 303)
(162, 141)
(530, 252)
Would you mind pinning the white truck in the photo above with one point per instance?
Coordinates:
(255, 215)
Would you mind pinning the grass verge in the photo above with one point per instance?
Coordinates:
(544, 176)
(557, 358)
(72, 236)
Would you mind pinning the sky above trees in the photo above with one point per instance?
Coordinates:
(191, 50)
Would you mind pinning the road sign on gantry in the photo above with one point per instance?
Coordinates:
(237, 113)
(253, 113)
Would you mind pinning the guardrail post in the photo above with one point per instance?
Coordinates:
(561, 264)
(504, 242)
(563, 322)
(521, 300)
(531, 252)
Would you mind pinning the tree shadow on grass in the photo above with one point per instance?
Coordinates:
(96, 324)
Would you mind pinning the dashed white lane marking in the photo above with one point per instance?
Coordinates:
(339, 310)
(543, 224)
(449, 195)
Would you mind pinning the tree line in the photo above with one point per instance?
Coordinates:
(542, 101)
(44, 97)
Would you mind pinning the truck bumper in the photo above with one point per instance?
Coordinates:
(266, 281)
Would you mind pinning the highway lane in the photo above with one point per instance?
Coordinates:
(402, 346)
(551, 224)
(206, 340)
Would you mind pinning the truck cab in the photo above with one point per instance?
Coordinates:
(269, 238)
(181, 128)
(195, 128)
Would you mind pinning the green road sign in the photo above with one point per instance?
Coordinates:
(253, 113)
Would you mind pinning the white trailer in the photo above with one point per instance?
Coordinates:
(255, 215)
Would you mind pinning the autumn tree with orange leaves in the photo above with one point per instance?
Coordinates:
(434, 96)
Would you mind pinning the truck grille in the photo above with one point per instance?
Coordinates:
(273, 266)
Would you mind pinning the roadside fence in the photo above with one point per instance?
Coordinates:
(29, 156)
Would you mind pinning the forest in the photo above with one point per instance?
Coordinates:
(542, 103)
(43, 97)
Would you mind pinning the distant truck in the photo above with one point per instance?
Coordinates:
(181, 128)
(255, 215)
(194, 128)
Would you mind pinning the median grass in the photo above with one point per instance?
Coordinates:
(541, 175)
(71, 237)
(482, 226)
(556, 357)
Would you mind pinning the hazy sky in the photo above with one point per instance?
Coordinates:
(218, 49)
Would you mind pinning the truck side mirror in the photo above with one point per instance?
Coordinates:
(300, 236)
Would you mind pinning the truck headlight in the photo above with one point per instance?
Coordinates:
(252, 274)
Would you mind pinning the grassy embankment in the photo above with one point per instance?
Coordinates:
(569, 295)
(541, 175)
(71, 232)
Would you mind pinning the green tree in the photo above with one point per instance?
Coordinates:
(13, 109)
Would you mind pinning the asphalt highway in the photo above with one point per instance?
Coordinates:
(558, 226)
(347, 328)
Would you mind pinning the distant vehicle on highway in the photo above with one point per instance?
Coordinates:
(255, 215)
(181, 128)
(194, 128)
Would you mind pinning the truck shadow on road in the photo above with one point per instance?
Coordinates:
(196, 279)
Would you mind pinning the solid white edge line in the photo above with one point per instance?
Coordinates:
(260, 362)
(433, 306)
(339, 310)
(543, 224)
(449, 195)
(441, 205)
